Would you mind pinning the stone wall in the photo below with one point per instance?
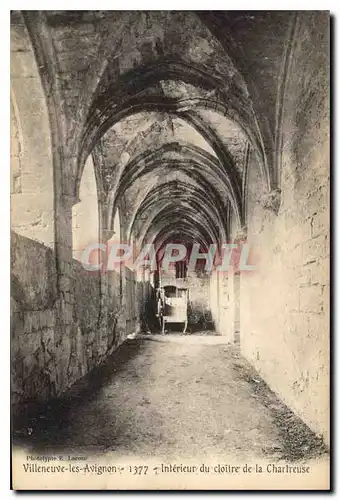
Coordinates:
(285, 302)
(64, 320)
(199, 310)
(56, 339)
(31, 152)
(224, 300)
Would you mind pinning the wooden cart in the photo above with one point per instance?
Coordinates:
(172, 306)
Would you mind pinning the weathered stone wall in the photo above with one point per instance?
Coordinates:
(224, 299)
(56, 341)
(285, 302)
(66, 321)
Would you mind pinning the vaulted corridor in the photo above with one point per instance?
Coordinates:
(170, 186)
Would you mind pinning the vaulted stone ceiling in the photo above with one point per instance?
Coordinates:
(169, 104)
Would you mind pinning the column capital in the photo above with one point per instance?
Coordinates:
(272, 200)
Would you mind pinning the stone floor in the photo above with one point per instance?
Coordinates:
(168, 397)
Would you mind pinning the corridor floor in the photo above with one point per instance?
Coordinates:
(170, 397)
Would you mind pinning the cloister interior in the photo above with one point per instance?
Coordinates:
(157, 127)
